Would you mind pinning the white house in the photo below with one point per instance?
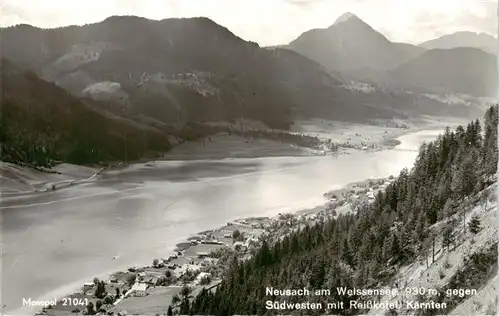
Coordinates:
(200, 276)
(139, 289)
(251, 241)
(87, 286)
(185, 267)
(240, 245)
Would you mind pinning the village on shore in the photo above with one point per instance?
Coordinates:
(202, 261)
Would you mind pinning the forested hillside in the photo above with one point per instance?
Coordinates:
(41, 124)
(181, 70)
(364, 250)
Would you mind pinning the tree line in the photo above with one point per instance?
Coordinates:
(42, 124)
(365, 249)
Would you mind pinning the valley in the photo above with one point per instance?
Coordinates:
(173, 165)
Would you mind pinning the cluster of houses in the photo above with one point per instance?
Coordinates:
(251, 223)
(150, 278)
(143, 281)
(365, 191)
(196, 81)
(251, 233)
(283, 224)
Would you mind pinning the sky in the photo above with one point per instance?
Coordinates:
(272, 22)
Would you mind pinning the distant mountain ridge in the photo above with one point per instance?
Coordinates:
(359, 52)
(175, 71)
(443, 70)
(481, 41)
(180, 70)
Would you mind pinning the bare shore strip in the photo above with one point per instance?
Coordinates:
(337, 137)
(201, 261)
(18, 180)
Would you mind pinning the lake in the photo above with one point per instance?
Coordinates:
(53, 242)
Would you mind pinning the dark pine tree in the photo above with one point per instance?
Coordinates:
(475, 224)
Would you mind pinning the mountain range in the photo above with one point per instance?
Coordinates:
(438, 68)
(152, 78)
(353, 48)
(482, 41)
(177, 70)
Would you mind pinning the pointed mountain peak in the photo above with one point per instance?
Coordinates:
(346, 17)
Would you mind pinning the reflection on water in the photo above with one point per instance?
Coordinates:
(142, 212)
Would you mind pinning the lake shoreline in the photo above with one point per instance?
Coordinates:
(349, 138)
(346, 199)
(304, 210)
